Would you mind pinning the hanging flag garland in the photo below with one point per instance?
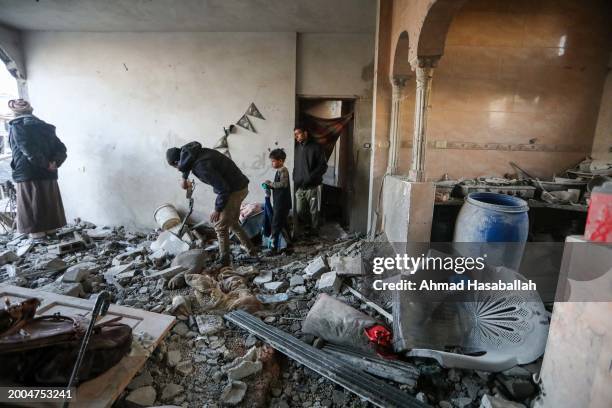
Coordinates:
(253, 111)
(245, 122)
(221, 144)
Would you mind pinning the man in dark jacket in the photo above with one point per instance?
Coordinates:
(309, 167)
(227, 181)
(37, 154)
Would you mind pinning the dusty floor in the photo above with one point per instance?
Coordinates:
(190, 369)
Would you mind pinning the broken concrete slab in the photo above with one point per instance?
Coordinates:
(299, 290)
(167, 273)
(489, 401)
(276, 298)
(143, 396)
(112, 272)
(296, 280)
(263, 278)
(346, 265)
(244, 369)
(315, 268)
(24, 249)
(73, 289)
(330, 282)
(209, 324)
(519, 388)
(275, 287)
(51, 265)
(99, 233)
(233, 393)
(173, 358)
(79, 272)
(141, 380)
(170, 391)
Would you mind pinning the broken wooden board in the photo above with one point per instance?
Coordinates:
(103, 390)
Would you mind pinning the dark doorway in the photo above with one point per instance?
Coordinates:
(335, 200)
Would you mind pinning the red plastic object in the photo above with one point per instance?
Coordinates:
(599, 218)
(379, 335)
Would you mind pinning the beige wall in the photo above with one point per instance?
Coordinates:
(602, 144)
(516, 73)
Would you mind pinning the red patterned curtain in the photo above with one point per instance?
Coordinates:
(326, 131)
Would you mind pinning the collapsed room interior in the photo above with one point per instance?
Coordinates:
(424, 101)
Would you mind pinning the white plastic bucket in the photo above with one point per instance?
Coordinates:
(166, 216)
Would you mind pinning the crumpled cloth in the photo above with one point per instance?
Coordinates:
(227, 292)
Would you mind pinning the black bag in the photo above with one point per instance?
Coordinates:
(43, 350)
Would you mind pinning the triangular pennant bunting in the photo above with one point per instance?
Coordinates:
(253, 111)
(221, 144)
(245, 122)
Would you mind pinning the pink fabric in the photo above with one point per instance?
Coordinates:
(248, 209)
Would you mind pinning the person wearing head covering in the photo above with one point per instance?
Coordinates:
(227, 181)
(37, 154)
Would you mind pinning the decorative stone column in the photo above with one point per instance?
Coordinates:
(395, 138)
(424, 74)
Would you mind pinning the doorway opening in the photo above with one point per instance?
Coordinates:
(339, 113)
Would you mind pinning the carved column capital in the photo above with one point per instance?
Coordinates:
(430, 61)
(399, 81)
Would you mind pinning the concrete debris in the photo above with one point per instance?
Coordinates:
(276, 287)
(244, 369)
(99, 233)
(346, 265)
(167, 273)
(519, 388)
(202, 361)
(299, 290)
(489, 401)
(269, 299)
(170, 391)
(79, 272)
(184, 368)
(68, 289)
(142, 397)
(141, 380)
(209, 324)
(233, 393)
(315, 268)
(173, 358)
(23, 250)
(296, 280)
(50, 265)
(329, 282)
(263, 278)
(67, 247)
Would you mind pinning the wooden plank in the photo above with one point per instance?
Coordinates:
(103, 390)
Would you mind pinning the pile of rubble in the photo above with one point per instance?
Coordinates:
(206, 361)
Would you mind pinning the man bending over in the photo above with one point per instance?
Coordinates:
(227, 181)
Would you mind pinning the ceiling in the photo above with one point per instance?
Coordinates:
(334, 16)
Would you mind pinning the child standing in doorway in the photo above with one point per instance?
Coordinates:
(281, 197)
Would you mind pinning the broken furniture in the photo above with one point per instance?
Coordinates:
(495, 329)
(367, 387)
(148, 328)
